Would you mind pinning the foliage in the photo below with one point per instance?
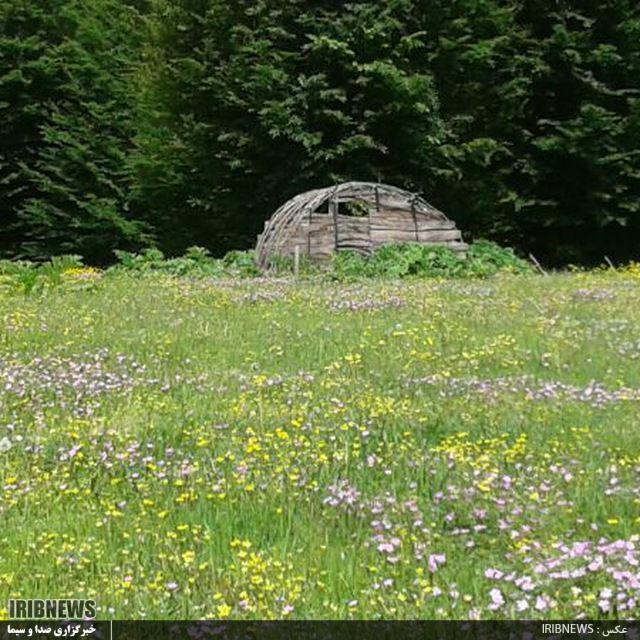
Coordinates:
(418, 260)
(29, 277)
(127, 124)
(247, 104)
(241, 263)
(398, 261)
(543, 106)
(487, 258)
(196, 262)
(65, 126)
(392, 261)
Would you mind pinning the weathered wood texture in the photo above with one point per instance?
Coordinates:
(389, 215)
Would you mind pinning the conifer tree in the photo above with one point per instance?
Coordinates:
(65, 126)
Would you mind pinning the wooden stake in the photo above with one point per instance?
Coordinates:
(415, 218)
(333, 205)
(296, 262)
(538, 265)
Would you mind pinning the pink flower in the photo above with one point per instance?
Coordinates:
(542, 603)
(605, 606)
(525, 583)
(493, 574)
(497, 599)
(436, 559)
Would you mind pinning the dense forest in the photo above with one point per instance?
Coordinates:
(129, 123)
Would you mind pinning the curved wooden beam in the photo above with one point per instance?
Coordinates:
(287, 219)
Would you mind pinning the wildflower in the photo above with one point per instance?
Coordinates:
(542, 603)
(497, 599)
(436, 559)
(493, 574)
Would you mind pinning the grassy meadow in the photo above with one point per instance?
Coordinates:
(193, 448)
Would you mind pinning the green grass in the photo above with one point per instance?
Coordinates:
(169, 446)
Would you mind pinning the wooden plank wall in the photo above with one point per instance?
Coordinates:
(365, 234)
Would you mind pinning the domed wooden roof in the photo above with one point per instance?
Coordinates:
(286, 221)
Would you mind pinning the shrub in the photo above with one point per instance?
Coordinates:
(348, 265)
(487, 258)
(241, 264)
(400, 261)
(147, 260)
(30, 277)
(484, 259)
(196, 262)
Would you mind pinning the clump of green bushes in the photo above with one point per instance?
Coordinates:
(483, 259)
(391, 261)
(196, 262)
(31, 277)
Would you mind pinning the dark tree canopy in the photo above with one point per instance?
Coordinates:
(66, 127)
(185, 122)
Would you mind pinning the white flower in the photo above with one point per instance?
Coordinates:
(5, 445)
(497, 599)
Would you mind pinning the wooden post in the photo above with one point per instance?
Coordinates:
(296, 262)
(538, 265)
(377, 200)
(415, 218)
(334, 210)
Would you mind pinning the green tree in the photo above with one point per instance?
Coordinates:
(519, 118)
(247, 103)
(541, 101)
(65, 126)
(581, 143)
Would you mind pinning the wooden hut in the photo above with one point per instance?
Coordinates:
(357, 216)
